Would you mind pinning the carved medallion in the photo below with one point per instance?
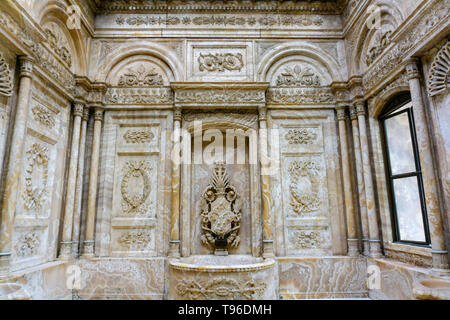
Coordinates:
(221, 288)
(304, 187)
(298, 76)
(140, 77)
(36, 176)
(220, 212)
(220, 62)
(134, 199)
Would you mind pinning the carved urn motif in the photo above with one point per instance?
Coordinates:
(220, 212)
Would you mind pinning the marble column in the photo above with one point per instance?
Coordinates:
(176, 161)
(88, 245)
(360, 180)
(439, 251)
(12, 180)
(79, 186)
(66, 243)
(374, 233)
(265, 184)
(352, 239)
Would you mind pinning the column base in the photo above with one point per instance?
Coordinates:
(268, 249)
(88, 249)
(174, 248)
(75, 252)
(440, 259)
(65, 253)
(365, 245)
(353, 250)
(374, 249)
(5, 260)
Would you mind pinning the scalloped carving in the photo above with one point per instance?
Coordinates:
(440, 71)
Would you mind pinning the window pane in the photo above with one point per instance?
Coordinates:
(399, 144)
(409, 210)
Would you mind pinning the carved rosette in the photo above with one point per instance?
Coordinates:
(220, 62)
(220, 210)
(221, 288)
(440, 71)
(135, 201)
(138, 136)
(6, 85)
(304, 187)
(28, 244)
(301, 136)
(36, 180)
(140, 77)
(298, 76)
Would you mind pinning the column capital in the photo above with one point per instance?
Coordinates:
(353, 113)
(340, 112)
(360, 108)
(412, 68)
(262, 110)
(177, 113)
(85, 114)
(78, 108)
(98, 113)
(25, 66)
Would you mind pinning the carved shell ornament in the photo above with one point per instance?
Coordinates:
(440, 71)
(220, 212)
(6, 84)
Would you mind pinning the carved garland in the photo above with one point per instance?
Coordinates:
(34, 194)
(302, 173)
(440, 72)
(221, 288)
(6, 85)
(220, 62)
(135, 203)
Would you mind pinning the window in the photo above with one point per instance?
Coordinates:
(409, 216)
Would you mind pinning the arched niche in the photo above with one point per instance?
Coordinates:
(306, 54)
(68, 44)
(140, 71)
(373, 40)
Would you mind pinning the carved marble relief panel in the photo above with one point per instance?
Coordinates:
(306, 195)
(219, 61)
(133, 200)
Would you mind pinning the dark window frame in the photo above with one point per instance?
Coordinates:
(390, 111)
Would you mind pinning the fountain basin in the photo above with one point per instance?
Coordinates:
(433, 289)
(207, 277)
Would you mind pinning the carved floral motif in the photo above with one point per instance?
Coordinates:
(28, 244)
(305, 197)
(136, 240)
(299, 96)
(140, 77)
(58, 43)
(298, 76)
(302, 239)
(440, 71)
(220, 62)
(301, 136)
(138, 136)
(134, 201)
(221, 288)
(381, 41)
(35, 189)
(139, 96)
(6, 85)
(220, 210)
(216, 96)
(43, 116)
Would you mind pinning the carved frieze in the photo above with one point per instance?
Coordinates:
(221, 288)
(381, 41)
(220, 211)
(58, 42)
(304, 187)
(300, 96)
(153, 96)
(138, 136)
(28, 244)
(6, 85)
(43, 116)
(220, 62)
(134, 199)
(135, 240)
(298, 76)
(440, 71)
(36, 176)
(217, 96)
(301, 136)
(140, 77)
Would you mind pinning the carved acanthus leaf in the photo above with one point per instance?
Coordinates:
(43, 116)
(298, 76)
(138, 136)
(140, 77)
(58, 43)
(220, 62)
(301, 136)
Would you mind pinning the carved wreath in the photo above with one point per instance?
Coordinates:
(220, 210)
(134, 203)
(35, 191)
(304, 186)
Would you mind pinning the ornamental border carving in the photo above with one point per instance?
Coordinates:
(304, 203)
(152, 96)
(300, 96)
(34, 195)
(6, 84)
(134, 203)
